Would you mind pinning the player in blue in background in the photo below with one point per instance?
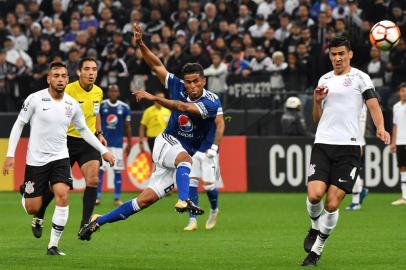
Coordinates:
(205, 168)
(115, 118)
(193, 112)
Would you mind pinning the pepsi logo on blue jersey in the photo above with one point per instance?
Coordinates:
(192, 130)
(113, 117)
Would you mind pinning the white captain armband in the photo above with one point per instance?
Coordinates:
(369, 93)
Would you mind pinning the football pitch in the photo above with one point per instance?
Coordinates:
(254, 231)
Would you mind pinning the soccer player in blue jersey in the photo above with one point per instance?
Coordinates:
(194, 110)
(205, 168)
(115, 118)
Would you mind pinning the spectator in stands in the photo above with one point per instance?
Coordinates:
(88, 19)
(59, 13)
(166, 34)
(340, 29)
(59, 33)
(20, 11)
(294, 76)
(193, 33)
(271, 44)
(238, 66)
(292, 121)
(196, 9)
(211, 19)
(341, 10)
(216, 74)
(233, 34)
(118, 43)
(354, 19)
(398, 16)
(48, 26)
(283, 32)
(266, 8)
(7, 74)
(258, 29)
(40, 72)
(294, 38)
(138, 71)
(165, 53)
(397, 64)
(155, 24)
(113, 69)
(176, 60)
(224, 11)
(261, 63)
(196, 55)
(273, 19)
(376, 69)
(135, 17)
(277, 68)
(34, 11)
(4, 32)
(12, 54)
(244, 20)
(21, 41)
(304, 16)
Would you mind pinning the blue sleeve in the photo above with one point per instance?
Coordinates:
(175, 87)
(208, 108)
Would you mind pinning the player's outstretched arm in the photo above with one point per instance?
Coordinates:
(220, 126)
(79, 123)
(377, 117)
(167, 103)
(394, 134)
(12, 145)
(151, 59)
(319, 95)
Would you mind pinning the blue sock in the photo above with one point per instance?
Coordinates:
(194, 196)
(100, 185)
(182, 180)
(120, 213)
(213, 198)
(117, 185)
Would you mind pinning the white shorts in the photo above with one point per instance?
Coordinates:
(119, 164)
(166, 149)
(204, 168)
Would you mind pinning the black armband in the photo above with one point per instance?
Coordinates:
(369, 93)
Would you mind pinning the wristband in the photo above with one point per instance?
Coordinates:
(100, 132)
(214, 147)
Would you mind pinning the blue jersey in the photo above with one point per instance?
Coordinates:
(113, 117)
(192, 131)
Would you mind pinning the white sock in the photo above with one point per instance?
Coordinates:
(328, 221)
(403, 184)
(59, 220)
(314, 211)
(356, 190)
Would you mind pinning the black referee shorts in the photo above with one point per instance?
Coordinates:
(37, 179)
(336, 165)
(81, 152)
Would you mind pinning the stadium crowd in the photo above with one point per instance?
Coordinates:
(284, 41)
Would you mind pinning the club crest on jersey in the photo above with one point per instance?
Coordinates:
(68, 111)
(347, 82)
(185, 124)
(29, 187)
(111, 121)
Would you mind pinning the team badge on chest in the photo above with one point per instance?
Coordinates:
(347, 82)
(68, 111)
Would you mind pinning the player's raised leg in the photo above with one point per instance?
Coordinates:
(314, 204)
(127, 209)
(327, 223)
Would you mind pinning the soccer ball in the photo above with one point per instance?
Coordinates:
(384, 35)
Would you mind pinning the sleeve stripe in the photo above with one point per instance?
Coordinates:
(166, 80)
(200, 110)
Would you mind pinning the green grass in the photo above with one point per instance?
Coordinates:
(255, 231)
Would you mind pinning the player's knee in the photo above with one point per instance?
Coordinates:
(331, 206)
(61, 199)
(92, 181)
(183, 157)
(32, 208)
(209, 186)
(145, 202)
(314, 197)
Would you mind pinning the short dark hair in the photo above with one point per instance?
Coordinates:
(85, 59)
(56, 64)
(191, 68)
(402, 85)
(114, 86)
(338, 42)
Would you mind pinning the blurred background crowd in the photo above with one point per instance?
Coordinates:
(281, 43)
